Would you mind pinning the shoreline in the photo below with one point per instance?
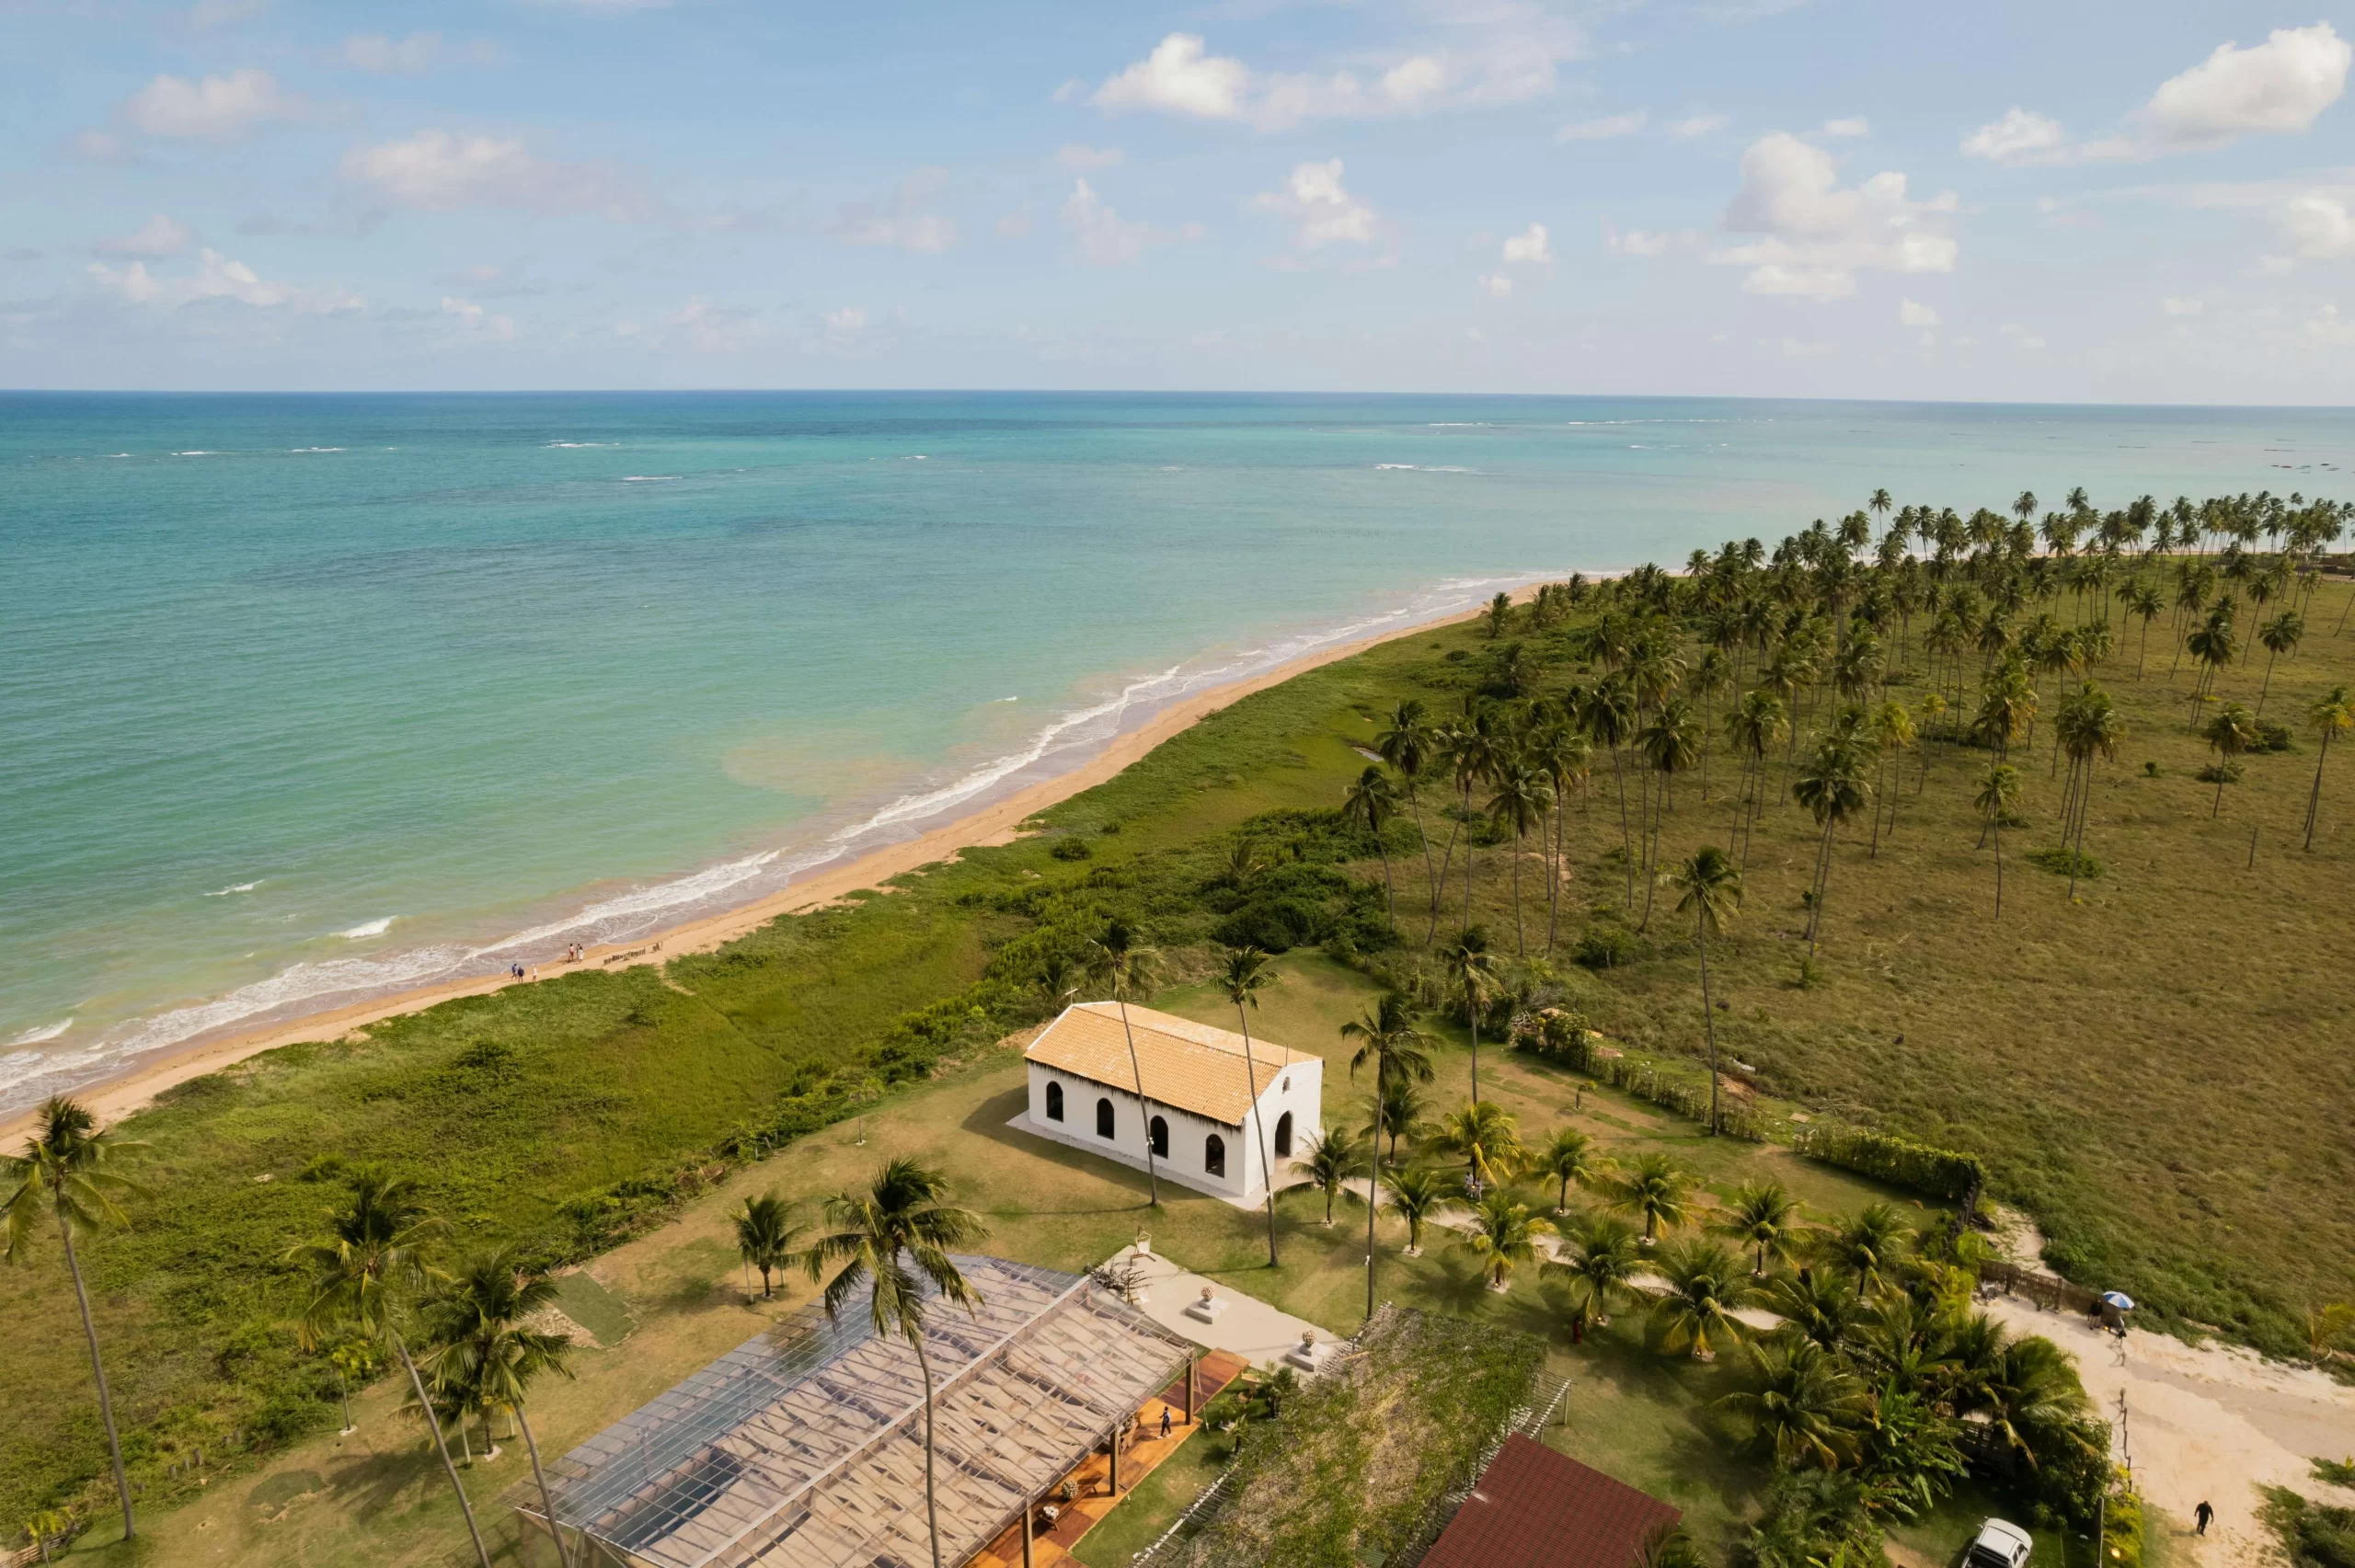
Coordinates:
(115, 1096)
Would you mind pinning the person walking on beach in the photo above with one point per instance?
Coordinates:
(2200, 1516)
(1165, 1421)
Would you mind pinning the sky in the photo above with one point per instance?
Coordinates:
(2140, 202)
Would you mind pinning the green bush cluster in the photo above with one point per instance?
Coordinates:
(1899, 1161)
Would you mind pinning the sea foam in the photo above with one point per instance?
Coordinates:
(371, 928)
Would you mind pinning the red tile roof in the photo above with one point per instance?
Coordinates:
(1536, 1508)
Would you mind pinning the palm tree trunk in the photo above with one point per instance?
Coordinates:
(1152, 1177)
(442, 1447)
(1709, 1018)
(1626, 839)
(1998, 823)
(1520, 934)
(1468, 847)
(1554, 883)
(1822, 885)
(1472, 1001)
(1430, 877)
(548, 1500)
(1266, 1163)
(1390, 888)
(931, 1505)
(99, 1370)
(1374, 1176)
(1439, 888)
(2267, 685)
(2314, 797)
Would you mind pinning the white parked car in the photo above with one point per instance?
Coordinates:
(2000, 1545)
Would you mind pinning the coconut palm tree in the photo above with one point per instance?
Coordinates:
(2282, 635)
(2088, 727)
(1416, 1193)
(1814, 1304)
(1757, 724)
(1386, 1036)
(1999, 794)
(1571, 1159)
(1705, 1284)
(2214, 646)
(1606, 711)
(1891, 724)
(1670, 745)
(1471, 969)
(2230, 733)
(1503, 1236)
(1409, 746)
(1329, 1159)
(480, 1321)
(893, 1239)
(2142, 600)
(68, 1176)
(1522, 797)
(1245, 976)
(1711, 891)
(1832, 789)
(1599, 1262)
(1764, 1216)
(1399, 1108)
(1371, 802)
(1058, 978)
(366, 1278)
(1117, 957)
(1486, 1138)
(1498, 615)
(1656, 1190)
(1806, 1409)
(2332, 715)
(765, 1234)
(1869, 1245)
(1566, 755)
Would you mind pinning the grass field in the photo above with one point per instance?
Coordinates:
(2157, 1071)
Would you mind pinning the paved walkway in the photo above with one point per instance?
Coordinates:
(1248, 1327)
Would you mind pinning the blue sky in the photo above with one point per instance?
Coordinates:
(2140, 203)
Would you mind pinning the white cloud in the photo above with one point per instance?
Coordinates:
(157, 236)
(698, 327)
(1530, 245)
(904, 221)
(1603, 130)
(2022, 136)
(1819, 233)
(845, 325)
(2173, 305)
(2279, 86)
(1508, 52)
(1642, 242)
(218, 108)
(218, 277)
(441, 172)
(473, 321)
(1320, 208)
(1854, 125)
(2325, 327)
(379, 52)
(1496, 284)
(1104, 237)
(2319, 227)
(1082, 159)
(1912, 313)
(1697, 125)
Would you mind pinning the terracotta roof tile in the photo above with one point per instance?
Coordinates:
(1536, 1508)
(1191, 1066)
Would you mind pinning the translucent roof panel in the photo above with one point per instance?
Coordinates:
(804, 1447)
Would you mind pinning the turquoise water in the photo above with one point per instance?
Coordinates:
(304, 698)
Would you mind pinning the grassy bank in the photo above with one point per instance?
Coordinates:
(2155, 1070)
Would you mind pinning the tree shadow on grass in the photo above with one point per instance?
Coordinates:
(989, 1119)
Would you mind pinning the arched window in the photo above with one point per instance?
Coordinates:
(1103, 1118)
(1054, 1101)
(1160, 1135)
(1283, 1135)
(1214, 1155)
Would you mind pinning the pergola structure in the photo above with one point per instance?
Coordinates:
(804, 1447)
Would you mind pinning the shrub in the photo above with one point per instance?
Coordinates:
(1273, 925)
(2065, 863)
(1606, 946)
(2313, 1535)
(1899, 1162)
(2219, 772)
(2122, 1530)
(1071, 849)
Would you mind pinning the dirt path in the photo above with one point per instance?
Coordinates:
(2206, 1422)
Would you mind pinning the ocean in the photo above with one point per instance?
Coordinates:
(304, 698)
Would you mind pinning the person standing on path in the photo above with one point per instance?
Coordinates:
(2200, 1516)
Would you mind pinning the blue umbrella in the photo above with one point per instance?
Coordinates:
(2119, 1299)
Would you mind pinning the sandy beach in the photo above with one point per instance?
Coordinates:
(1000, 822)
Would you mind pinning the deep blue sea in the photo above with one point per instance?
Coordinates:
(307, 697)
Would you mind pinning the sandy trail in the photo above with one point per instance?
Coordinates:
(2208, 1421)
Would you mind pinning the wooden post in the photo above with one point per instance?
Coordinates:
(1027, 1508)
(1114, 1446)
(1192, 1362)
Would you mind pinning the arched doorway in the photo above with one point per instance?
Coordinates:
(1284, 1136)
(1103, 1118)
(1214, 1155)
(1054, 1101)
(1159, 1133)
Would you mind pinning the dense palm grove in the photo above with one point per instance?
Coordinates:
(1786, 659)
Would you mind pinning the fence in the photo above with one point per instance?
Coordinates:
(2047, 1291)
